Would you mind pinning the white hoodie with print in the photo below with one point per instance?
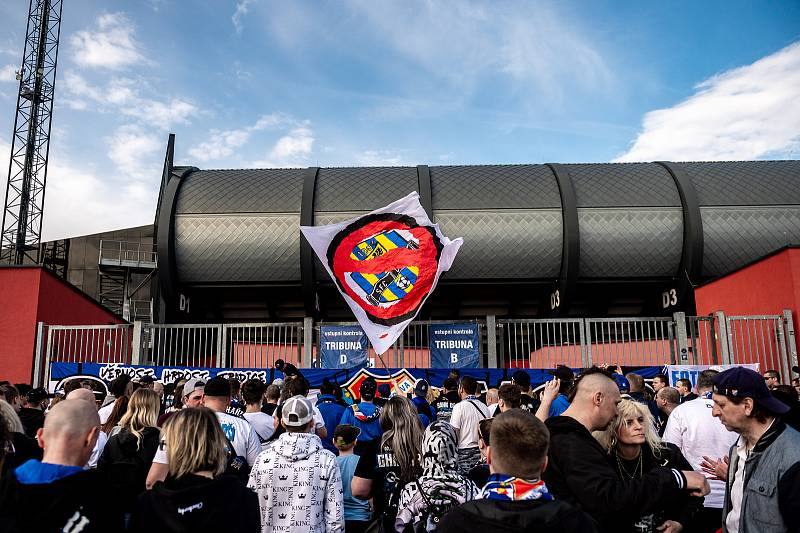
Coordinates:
(298, 485)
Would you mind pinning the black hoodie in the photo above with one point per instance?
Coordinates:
(194, 503)
(126, 463)
(578, 472)
(77, 502)
(535, 516)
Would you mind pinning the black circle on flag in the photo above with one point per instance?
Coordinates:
(387, 264)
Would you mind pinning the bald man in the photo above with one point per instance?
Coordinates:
(57, 493)
(579, 471)
(87, 395)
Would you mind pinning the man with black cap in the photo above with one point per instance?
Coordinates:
(565, 379)
(527, 402)
(762, 493)
(32, 412)
(365, 415)
(420, 401)
(444, 404)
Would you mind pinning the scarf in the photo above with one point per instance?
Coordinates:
(502, 487)
(363, 417)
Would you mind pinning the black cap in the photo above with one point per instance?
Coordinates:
(563, 372)
(368, 389)
(796, 369)
(385, 390)
(741, 382)
(147, 379)
(521, 378)
(345, 434)
(421, 388)
(37, 395)
(218, 386)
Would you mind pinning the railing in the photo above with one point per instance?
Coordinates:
(128, 254)
(768, 340)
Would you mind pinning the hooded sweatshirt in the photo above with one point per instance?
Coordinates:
(45, 497)
(578, 472)
(439, 487)
(126, 461)
(298, 485)
(196, 503)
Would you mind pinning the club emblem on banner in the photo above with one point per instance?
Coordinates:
(385, 264)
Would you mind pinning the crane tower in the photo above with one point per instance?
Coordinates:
(27, 171)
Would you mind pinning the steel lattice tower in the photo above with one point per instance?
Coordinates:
(27, 170)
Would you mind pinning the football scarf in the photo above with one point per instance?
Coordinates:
(385, 264)
(500, 487)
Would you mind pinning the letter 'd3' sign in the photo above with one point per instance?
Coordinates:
(385, 264)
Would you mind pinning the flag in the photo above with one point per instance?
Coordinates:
(385, 264)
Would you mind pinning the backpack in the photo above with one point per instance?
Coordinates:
(431, 516)
(236, 465)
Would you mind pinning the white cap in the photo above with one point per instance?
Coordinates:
(297, 411)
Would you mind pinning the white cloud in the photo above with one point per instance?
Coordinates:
(8, 74)
(297, 144)
(464, 43)
(80, 200)
(241, 10)
(123, 95)
(223, 143)
(111, 45)
(745, 113)
(381, 158)
(132, 149)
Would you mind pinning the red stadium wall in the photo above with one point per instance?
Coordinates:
(31, 295)
(765, 287)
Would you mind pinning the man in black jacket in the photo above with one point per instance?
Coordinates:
(32, 413)
(579, 472)
(444, 404)
(57, 494)
(515, 498)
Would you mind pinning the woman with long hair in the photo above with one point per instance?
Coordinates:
(117, 412)
(195, 496)
(384, 474)
(129, 452)
(634, 448)
(15, 446)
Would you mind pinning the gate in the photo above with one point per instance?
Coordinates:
(762, 339)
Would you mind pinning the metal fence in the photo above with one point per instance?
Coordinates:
(517, 343)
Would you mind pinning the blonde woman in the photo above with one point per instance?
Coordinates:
(195, 496)
(130, 449)
(634, 448)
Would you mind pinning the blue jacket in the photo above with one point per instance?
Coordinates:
(366, 416)
(558, 406)
(424, 408)
(331, 412)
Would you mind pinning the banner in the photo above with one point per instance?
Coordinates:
(385, 264)
(342, 346)
(690, 372)
(454, 345)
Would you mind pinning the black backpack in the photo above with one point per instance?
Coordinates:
(237, 465)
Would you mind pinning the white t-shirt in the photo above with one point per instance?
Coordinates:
(466, 415)
(97, 451)
(737, 490)
(239, 432)
(691, 428)
(262, 423)
(105, 412)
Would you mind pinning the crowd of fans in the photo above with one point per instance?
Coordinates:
(592, 452)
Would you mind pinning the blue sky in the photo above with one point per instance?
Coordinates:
(253, 83)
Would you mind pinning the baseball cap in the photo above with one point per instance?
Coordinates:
(296, 411)
(521, 378)
(37, 395)
(421, 388)
(144, 380)
(740, 382)
(191, 385)
(368, 389)
(345, 434)
(218, 386)
(385, 390)
(563, 372)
